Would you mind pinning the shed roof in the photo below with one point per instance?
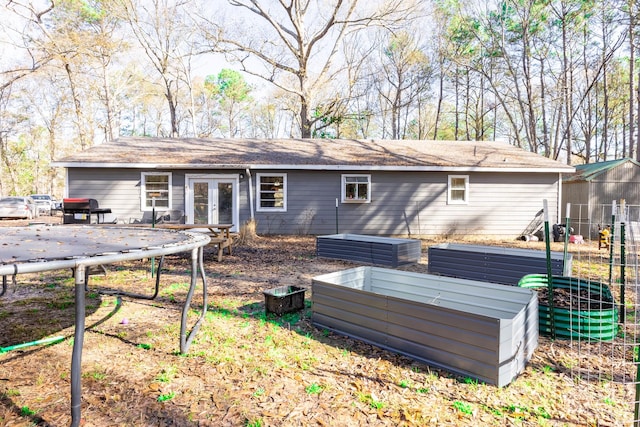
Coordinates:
(591, 171)
(196, 153)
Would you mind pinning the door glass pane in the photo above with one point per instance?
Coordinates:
(200, 203)
(225, 203)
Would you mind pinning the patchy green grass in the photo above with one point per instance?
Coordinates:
(247, 367)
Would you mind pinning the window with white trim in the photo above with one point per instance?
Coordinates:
(155, 185)
(272, 192)
(356, 188)
(458, 192)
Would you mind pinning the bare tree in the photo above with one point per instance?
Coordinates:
(53, 39)
(104, 29)
(18, 19)
(295, 44)
(402, 74)
(161, 29)
(6, 127)
(49, 112)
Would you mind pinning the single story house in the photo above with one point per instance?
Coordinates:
(593, 189)
(322, 186)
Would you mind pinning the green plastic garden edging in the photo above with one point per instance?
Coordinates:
(591, 325)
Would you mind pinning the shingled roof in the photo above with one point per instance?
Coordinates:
(193, 153)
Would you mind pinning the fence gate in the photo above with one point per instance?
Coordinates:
(611, 363)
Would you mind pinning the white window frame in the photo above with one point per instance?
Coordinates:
(451, 188)
(143, 191)
(344, 183)
(259, 192)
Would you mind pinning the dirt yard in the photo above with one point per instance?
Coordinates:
(247, 368)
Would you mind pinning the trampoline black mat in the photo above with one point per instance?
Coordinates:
(60, 242)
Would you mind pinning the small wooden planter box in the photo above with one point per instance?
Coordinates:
(481, 330)
(387, 251)
(285, 299)
(492, 263)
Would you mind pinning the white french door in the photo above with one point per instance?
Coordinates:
(212, 200)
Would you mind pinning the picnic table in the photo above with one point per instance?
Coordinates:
(42, 248)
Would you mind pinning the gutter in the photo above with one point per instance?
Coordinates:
(392, 168)
(250, 184)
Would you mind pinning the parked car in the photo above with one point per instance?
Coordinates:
(18, 207)
(44, 202)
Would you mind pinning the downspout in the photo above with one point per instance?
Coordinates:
(65, 192)
(248, 172)
(559, 204)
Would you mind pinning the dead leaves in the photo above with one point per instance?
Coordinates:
(246, 367)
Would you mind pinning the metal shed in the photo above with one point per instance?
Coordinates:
(481, 330)
(592, 189)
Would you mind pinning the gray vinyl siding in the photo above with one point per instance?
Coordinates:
(402, 203)
(119, 189)
(576, 193)
(411, 204)
(622, 182)
(623, 174)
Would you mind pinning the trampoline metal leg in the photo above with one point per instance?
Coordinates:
(197, 269)
(78, 341)
(197, 266)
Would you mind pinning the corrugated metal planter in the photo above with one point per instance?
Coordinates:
(595, 314)
(492, 263)
(387, 251)
(285, 299)
(480, 330)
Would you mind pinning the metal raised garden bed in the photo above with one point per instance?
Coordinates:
(493, 264)
(481, 330)
(387, 251)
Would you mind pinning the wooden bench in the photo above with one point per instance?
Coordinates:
(221, 243)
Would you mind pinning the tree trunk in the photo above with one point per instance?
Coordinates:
(305, 123)
(543, 109)
(172, 111)
(605, 96)
(457, 95)
(634, 146)
(632, 51)
(565, 90)
(439, 104)
(107, 104)
(78, 107)
(8, 168)
(466, 104)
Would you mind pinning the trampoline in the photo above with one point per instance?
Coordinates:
(42, 248)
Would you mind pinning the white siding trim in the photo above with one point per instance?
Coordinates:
(143, 191)
(343, 188)
(259, 208)
(458, 169)
(451, 200)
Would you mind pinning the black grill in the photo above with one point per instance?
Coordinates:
(82, 211)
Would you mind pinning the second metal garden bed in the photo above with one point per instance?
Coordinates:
(492, 263)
